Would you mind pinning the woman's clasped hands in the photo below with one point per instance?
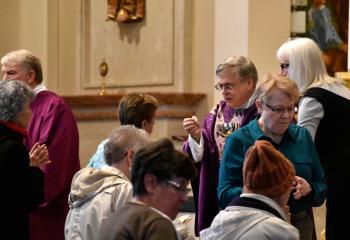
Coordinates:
(39, 155)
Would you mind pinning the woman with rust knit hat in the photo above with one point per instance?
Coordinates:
(267, 171)
(261, 211)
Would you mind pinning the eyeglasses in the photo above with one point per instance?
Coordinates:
(227, 86)
(281, 110)
(284, 66)
(178, 187)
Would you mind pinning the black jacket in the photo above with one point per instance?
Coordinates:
(22, 186)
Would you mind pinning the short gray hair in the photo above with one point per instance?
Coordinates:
(14, 95)
(121, 140)
(243, 65)
(27, 60)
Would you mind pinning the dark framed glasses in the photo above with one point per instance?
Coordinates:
(284, 66)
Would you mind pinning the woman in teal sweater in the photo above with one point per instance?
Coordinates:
(277, 97)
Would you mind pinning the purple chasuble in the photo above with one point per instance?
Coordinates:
(53, 123)
(205, 185)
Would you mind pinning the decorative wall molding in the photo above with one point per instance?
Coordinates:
(152, 52)
(95, 107)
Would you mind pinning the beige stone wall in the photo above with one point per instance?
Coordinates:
(10, 37)
(269, 22)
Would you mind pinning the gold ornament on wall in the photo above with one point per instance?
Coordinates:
(103, 72)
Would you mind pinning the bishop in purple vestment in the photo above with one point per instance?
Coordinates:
(237, 80)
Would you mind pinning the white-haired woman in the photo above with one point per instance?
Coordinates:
(324, 110)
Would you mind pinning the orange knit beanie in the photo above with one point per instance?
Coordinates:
(266, 170)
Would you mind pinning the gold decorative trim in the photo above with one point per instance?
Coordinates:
(345, 76)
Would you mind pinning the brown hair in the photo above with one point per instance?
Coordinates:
(136, 107)
(276, 81)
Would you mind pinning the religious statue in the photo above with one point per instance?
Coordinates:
(125, 10)
(323, 30)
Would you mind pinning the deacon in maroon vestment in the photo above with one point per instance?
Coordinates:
(53, 123)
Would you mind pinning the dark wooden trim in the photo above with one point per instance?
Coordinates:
(110, 115)
(113, 99)
(95, 107)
